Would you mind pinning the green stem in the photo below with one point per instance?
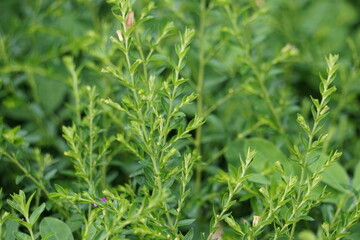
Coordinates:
(270, 105)
(142, 56)
(258, 74)
(144, 131)
(26, 172)
(199, 89)
(308, 151)
(103, 170)
(302, 176)
(260, 77)
(75, 86)
(226, 206)
(31, 231)
(33, 86)
(91, 143)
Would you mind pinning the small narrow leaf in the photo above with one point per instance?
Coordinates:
(189, 235)
(19, 179)
(356, 179)
(315, 102)
(234, 225)
(135, 65)
(35, 215)
(185, 222)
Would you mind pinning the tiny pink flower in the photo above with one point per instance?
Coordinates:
(102, 199)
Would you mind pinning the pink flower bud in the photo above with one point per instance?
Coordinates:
(130, 20)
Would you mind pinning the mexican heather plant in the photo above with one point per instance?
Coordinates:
(186, 130)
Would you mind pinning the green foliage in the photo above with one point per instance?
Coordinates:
(53, 229)
(179, 119)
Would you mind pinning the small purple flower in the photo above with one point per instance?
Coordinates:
(102, 199)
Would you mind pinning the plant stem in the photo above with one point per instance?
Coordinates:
(260, 75)
(75, 87)
(26, 172)
(91, 160)
(154, 159)
(268, 101)
(309, 147)
(199, 89)
(33, 85)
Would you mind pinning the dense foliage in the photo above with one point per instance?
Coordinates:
(179, 119)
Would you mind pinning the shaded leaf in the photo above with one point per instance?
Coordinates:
(60, 229)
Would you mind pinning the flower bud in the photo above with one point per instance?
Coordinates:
(324, 110)
(130, 20)
(119, 34)
(255, 220)
(290, 50)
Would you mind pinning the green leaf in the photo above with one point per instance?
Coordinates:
(354, 236)
(266, 155)
(47, 236)
(303, 123)
(35, 215)
(307, 235)
(11, 227)
(22, 236)
(329, 91)
(75, 222)
(60, 229)
(51, 93)
(232, 154)
(315, 102)
(356, 179)
(185, 222)
(189, 235)
(259, 178)
(234, 225)
(14, 205)
(306, 218)
(11, 135)
(28, 202)
(135, 65)
(213, 79)
(92, 232)
(113, 104)
(165, 104)
(19, 179)
(335, 175)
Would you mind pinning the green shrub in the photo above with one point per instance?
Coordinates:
(179, 119)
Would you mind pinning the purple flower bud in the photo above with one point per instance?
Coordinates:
(102, 199)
